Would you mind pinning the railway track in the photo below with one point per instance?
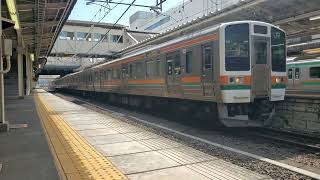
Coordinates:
(305, 142)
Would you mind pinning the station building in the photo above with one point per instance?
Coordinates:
(84, 43)
(182, 13)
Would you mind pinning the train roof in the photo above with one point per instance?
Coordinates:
(304, 61)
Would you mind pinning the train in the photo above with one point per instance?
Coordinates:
(303, 77)
(232, 72)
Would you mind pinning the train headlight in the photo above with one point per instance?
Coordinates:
(238, 80)
(278, 80)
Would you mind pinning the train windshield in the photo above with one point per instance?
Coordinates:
(278, 50)
(237, 47)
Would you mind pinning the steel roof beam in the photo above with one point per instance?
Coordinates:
(297, 18)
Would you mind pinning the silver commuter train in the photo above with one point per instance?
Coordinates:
(237, 69)
(303, 77)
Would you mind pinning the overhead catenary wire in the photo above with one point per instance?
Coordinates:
(98, 22)
(95, 45)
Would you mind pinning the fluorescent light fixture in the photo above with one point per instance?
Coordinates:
(11, 4)
(32, 56)
(314, 18)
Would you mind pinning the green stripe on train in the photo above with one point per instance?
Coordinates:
(306, 64)
(149, 85)
(235, 87)
(311, 83)
(278, 86)
(191, 84)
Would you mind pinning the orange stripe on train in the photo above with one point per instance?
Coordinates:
(147, 81)
(224, 80)
(191, 79)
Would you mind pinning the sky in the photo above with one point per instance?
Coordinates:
(84, 12)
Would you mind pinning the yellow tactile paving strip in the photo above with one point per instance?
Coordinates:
(75, 158)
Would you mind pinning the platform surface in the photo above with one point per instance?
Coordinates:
(138, 153)
(24, 152)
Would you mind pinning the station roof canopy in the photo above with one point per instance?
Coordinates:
(299, 18)
(40, 22)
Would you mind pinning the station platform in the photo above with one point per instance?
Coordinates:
(86, 144)
(24, 152)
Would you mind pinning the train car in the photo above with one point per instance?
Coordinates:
(303, 77)
(233, 71)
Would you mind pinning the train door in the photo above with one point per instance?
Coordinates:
(261, 71)
(174, 74)
(290, 77)
(297, 77)
(207, 69)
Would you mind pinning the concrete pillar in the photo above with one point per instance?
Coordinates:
(20, 65)
(3, 124)
(20, 73)
(28, 79)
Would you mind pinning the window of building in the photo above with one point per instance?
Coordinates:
(81, 36)
(315, 72)
(189, 57)
(97, 37)
(290, 73)
(104, 37)
(63, 35)
(88, 36)
(297, 73)
(117, 38)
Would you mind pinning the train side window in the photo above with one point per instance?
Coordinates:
(149, 66)
(139, 70)
(290, 73)
(207, 57)
(118, 73)
(177, 64)
(169, 65)
(114, 74)
(109, 74)
(297, 73)
(314, 72)
(124, 72)
(157, 68)
(189, 57)
(130, 71)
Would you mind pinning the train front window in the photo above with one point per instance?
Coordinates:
(237, 47)
(261, 54)
(278, 50)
